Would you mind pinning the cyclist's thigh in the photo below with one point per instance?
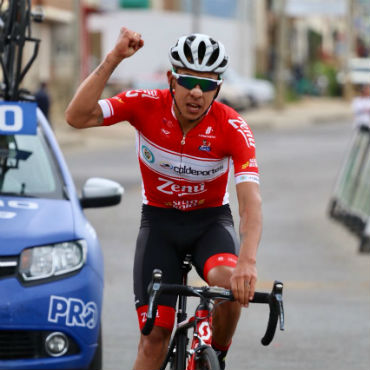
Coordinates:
(218, 246)
(154, 250)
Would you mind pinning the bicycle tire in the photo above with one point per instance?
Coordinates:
(207, 360)
(179, 359)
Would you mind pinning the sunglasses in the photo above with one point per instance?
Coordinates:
(189, 82)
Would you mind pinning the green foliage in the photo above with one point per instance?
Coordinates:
(291, 95)
(328, 73)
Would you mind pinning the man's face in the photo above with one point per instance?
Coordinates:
(192, 102)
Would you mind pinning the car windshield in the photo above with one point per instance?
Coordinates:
(28, 167)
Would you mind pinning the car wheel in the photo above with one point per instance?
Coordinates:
(254, 101)
(97, 361)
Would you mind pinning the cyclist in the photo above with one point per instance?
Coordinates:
(186, 143)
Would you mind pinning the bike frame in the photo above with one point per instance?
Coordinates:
(201, 323)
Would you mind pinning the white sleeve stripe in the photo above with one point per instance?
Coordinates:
(247, 178)
(106, 108)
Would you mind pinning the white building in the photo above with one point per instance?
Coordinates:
(161, 29)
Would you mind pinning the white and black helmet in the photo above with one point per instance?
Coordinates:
(200, 53)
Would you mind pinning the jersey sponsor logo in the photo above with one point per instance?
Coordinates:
(166, 165)
(168, 122)
(165, 132)
(209, 130)
(185, 204)
(207, 136)
(188, 170)
(169, 187)
(144, 316)
(227, 258)
(143, 93)
(251, 163)
(147, 154)
(241, 126)
(118, 99)
(73, 312)
(179, 166)
(208, 133)
(206, 146)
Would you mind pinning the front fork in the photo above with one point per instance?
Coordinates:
(202, 336)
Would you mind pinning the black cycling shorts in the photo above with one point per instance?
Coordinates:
(166, 236)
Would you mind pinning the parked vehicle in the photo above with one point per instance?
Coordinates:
(51, 263)
(234, 96)
(257, 90)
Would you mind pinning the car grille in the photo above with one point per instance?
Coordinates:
(24, 344)
(8, 266)
(19, 344)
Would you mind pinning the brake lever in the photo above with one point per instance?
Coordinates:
(154, 290)
(278, 295)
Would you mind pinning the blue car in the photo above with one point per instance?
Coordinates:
(51, 263)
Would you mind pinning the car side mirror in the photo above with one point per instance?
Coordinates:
(99, 192)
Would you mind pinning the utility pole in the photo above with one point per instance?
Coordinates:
(281, 54)
(348, 87)
(243, 6)
(196, 8)
(77, 43)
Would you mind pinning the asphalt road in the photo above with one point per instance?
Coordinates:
(327, 283)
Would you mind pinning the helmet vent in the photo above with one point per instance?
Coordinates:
(213, 57)
(188, 53)
(175, 55)
(201, 51)
(224, 63)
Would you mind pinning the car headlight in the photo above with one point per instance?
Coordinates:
(52, 260)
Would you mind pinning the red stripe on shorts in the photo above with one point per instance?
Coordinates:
(221, 259)
(165, 316)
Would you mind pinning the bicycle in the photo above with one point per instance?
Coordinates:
(15, 32)
(201, 354)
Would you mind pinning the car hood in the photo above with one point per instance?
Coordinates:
(30, 222)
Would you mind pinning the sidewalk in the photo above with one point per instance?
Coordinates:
(308, 111)
(305, 112)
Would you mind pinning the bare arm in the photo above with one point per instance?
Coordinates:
(84, 111)
(244, 277)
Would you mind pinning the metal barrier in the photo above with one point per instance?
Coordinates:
(350, 202)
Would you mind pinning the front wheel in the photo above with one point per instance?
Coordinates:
(207, 360)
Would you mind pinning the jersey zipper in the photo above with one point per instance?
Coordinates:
(183, 141)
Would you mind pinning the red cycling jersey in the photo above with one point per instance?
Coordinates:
(180, 171)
